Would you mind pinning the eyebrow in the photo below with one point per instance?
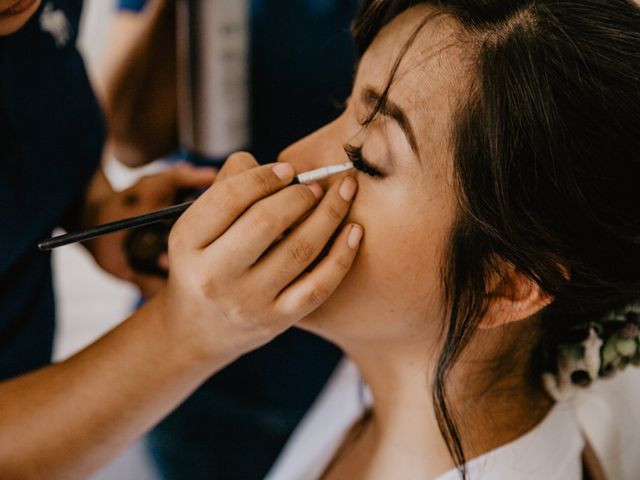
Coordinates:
(388, 108)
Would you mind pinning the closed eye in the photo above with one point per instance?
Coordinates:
(359, 162)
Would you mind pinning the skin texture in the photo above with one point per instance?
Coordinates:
(214, 307)
(231, 289)
(408, 213)
(389, 310)
(12, 21)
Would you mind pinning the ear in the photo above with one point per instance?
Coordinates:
(513, 296)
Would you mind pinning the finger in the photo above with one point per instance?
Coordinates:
(294, 253)
(260, 226)
(309, 292)
(236, 164)
(188, 176)
(224, 202)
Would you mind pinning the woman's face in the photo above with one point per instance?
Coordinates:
(15, 13)
(394, 291)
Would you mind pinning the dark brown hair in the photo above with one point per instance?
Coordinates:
(546, 155)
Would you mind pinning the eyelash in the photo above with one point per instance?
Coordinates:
(359, 162)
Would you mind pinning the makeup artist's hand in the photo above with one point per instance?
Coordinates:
(149, 193)
(235, 165)
(234, 284)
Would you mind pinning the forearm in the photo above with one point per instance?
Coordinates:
(140, 85)
(67, 420)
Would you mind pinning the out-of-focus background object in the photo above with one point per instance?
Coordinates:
(213, 49)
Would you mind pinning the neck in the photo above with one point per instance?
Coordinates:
(404, 439)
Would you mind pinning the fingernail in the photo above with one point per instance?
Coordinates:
(354, 237)
(316, 189)
(348, 189)
(284, 171)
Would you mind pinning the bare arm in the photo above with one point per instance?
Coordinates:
(139, 84)
(67, 420)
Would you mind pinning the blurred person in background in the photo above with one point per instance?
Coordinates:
(52, 137)
(301, 66)
(67, 419)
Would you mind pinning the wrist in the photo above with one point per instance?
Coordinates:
(183, 340)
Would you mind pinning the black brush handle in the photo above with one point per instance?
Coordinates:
(127, 223)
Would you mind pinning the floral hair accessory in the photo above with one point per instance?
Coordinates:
(610, 345)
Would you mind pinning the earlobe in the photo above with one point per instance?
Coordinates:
(513, 297)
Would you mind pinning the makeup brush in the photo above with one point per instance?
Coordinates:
(170, 212)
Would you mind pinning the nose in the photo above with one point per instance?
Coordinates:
(319, 149)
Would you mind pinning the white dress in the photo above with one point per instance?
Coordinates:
(551, 451)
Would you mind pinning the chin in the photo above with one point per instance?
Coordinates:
(314, 322)
(11, 23)
(323, 323)
(335, 321)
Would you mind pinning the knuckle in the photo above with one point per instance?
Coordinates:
(301, 251)
(303, 195)
(261, 183)
(233, 160)
(241, 159)
(263, 221)
(335, 214)
(225, 190)
(209, 288)
(224, 173)
(343, 263)
(225, 196)
(201, 280)
(236, 164)
(318, 294)
(279, 273)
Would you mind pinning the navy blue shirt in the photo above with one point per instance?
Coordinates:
(301, 65)
(51, 137)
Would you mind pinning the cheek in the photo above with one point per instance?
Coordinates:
(398, 250)
(396, 275)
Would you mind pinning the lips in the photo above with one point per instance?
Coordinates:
(17, 8)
